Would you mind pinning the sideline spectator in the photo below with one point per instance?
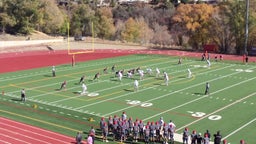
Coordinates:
(79, 138)
(217, 138)
(53, 71)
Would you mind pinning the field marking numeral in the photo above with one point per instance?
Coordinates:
(201, 114)
(137, 102)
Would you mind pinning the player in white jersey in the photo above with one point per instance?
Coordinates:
(129, 74)
(149, 71)
(208, 63)
(141, 73)
(136, 85)
(189, 73)
(84, 89)
(166, 79)
(157, 73)
(120, 76)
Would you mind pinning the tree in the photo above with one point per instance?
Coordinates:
(131, 32)
(161, 36)
(81, 18)
(194, 20)
(106, 23)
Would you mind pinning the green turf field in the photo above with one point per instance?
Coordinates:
(230, 107)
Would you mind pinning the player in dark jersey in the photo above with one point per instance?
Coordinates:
(185, 136)
(97, 76)
(81, 79)
(105, 70)
(63, 85)
(217, 138)
(207, 89)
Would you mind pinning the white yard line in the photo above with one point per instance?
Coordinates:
(18, 91)
(88, 77)
(158, 97)
(237, 130)
(108, 88)
(220, 109)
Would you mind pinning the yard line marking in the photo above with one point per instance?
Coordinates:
(80, 86)
(140, 91)
(239, 128)
(8, 131)
(220, 109)
(89, 76)
(171, 94)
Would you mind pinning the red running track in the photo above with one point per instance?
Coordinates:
(12, 132)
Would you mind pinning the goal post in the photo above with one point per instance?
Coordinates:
(82, 46)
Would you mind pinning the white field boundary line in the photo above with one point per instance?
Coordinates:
(239, 128)
(67, 69)
(40, 129)
(158, 97)
(28, 131)
(223, 108)
(178, 137)
(89, 77)
(11, 137)
(72, 87)
(141, 91)
(14, 133)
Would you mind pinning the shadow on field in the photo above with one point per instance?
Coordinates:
(128, 90)
(76, 92)
(199, 93)
(15, 99)
(157, 84)
(47, 75)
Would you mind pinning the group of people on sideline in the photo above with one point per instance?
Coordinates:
(125, 130)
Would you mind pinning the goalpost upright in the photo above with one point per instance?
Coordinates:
(77, 51)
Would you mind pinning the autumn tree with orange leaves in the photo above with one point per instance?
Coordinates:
(193, 20)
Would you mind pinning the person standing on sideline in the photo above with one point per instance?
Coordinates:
(92, 133)
(84, 87)
(185, 136)
(53, 71)
(207, 89)
(89, 139)
(136, 85)
(217, 138)
(23, 95)
(242, 142)
(79, 138)
(246, 59)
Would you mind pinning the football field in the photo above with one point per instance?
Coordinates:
(228, 108)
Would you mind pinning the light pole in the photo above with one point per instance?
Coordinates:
(246, 27)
